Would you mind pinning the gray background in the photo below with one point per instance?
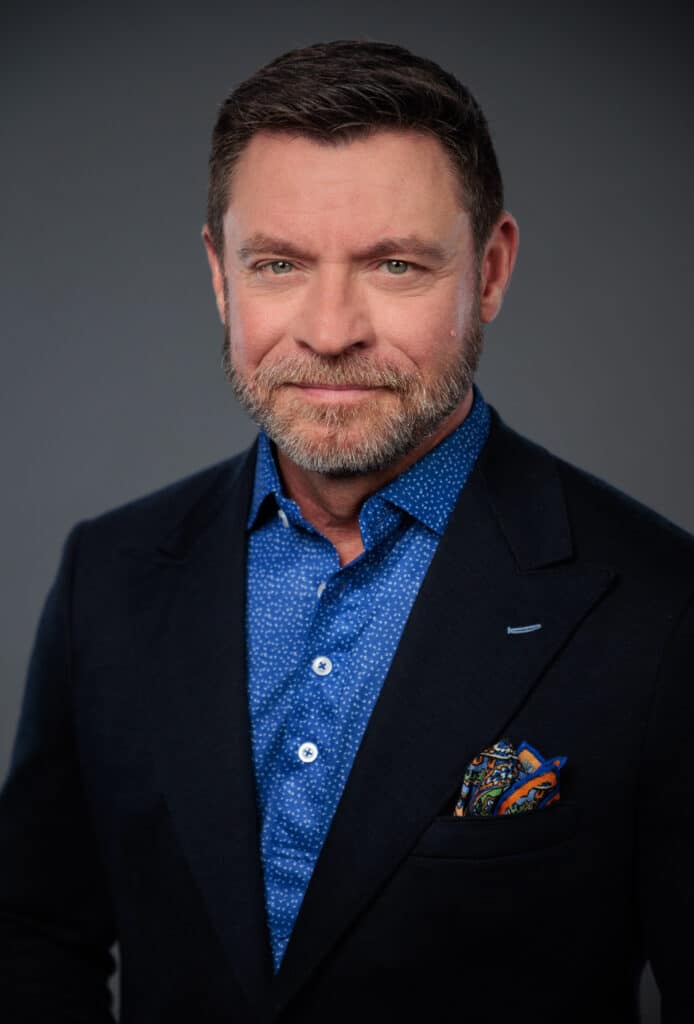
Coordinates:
(110, 342)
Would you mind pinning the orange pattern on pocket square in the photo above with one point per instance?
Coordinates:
(506, 780)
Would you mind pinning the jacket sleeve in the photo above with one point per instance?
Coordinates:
(56, 921)
(666, 827)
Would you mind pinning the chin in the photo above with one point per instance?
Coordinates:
(349, 450)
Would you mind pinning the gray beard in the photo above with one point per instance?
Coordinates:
(418, 410)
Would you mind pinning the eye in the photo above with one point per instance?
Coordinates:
(397, 266)
(276, 266)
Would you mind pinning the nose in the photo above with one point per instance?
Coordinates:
(334, 316)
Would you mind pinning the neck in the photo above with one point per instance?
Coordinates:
(332, 504)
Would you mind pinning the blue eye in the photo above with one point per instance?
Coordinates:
(397, 266)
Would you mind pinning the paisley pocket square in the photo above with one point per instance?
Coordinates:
(506, 780)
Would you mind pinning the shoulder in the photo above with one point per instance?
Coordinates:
(618, 521)
(160, 517)
(606, 525)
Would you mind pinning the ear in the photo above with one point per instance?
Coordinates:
(496, 265)
(216, 269)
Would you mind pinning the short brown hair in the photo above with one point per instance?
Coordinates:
(343, 90)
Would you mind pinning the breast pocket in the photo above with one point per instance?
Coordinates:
(504, 836)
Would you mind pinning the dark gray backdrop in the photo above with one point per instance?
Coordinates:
(110, 371)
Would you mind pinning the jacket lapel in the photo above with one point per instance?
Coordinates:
(456, 681)
(201, 725)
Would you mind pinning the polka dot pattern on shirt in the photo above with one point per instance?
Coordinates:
(321, 638)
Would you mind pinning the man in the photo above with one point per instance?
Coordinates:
(388, 716)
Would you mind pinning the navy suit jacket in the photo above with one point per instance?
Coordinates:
(129, 812)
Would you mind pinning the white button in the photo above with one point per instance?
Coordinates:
(321, 588)
(322, 666)
(308, 752)
(283, 517)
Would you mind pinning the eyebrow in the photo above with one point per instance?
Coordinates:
(261, 244)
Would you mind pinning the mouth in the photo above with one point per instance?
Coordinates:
(336, 392)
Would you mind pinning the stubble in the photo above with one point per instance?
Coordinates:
(348, 438)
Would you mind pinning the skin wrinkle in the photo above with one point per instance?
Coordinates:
(264, 245)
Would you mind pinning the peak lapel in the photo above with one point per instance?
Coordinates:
(457, 679)
(201, 724)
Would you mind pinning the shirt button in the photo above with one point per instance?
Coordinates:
(283, 517)
(321, 588)
(308, 752)
(322, 666)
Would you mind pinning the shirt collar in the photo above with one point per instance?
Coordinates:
(267, 479)
(428, 490)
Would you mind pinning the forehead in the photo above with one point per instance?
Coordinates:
(388, 183)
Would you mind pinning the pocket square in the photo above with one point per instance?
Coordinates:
(506, 780)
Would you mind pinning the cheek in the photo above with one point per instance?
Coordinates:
(255, 329)
(424, 332)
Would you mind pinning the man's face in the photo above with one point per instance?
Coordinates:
(349, 292)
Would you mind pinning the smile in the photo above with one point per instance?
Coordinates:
(336, 392)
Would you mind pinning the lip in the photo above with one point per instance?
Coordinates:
(335, 392)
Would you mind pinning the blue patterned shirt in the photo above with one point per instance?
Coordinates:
(320, 641)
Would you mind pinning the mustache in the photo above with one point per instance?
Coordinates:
(343, 371)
